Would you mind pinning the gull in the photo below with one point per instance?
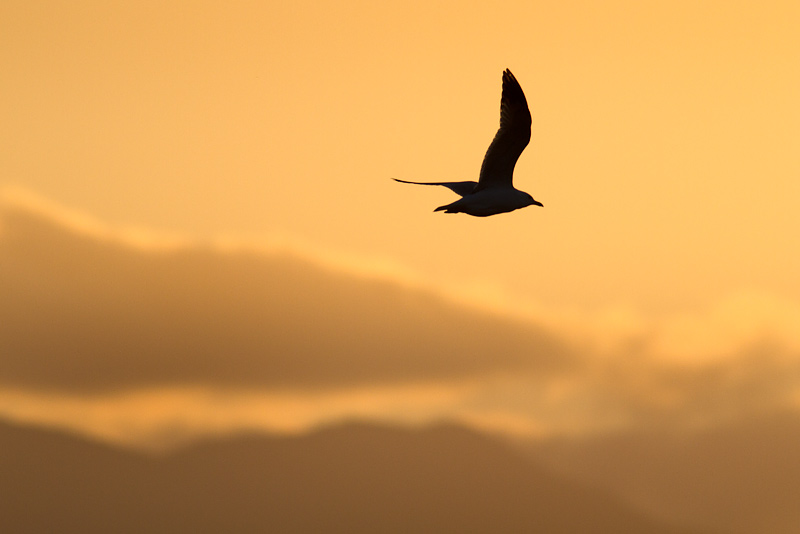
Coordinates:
(494, 192)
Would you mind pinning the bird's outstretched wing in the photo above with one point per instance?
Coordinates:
(459, 188)
(510, 140)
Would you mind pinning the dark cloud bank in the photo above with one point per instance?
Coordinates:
(81, 312)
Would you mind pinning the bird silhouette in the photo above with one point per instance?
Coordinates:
(494, 191)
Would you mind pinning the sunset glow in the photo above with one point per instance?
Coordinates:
(200, 237)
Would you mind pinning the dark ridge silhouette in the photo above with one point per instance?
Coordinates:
(741, 477)
(353, 478)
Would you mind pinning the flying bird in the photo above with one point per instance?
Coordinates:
(494, 191)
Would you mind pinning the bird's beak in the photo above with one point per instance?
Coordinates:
(537, 203)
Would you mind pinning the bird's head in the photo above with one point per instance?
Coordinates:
(532, 202)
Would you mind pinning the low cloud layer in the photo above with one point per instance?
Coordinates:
(91, 318)
(84, 313)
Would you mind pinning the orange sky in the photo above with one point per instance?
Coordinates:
(665, 134)
(664, 147)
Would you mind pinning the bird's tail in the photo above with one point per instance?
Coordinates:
(449, 208)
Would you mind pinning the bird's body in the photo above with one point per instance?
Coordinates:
(494, 192)
(489, 201)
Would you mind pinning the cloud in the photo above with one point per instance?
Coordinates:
(153, 334)
(83, 310)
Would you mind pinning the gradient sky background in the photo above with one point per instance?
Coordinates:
(664, 147)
